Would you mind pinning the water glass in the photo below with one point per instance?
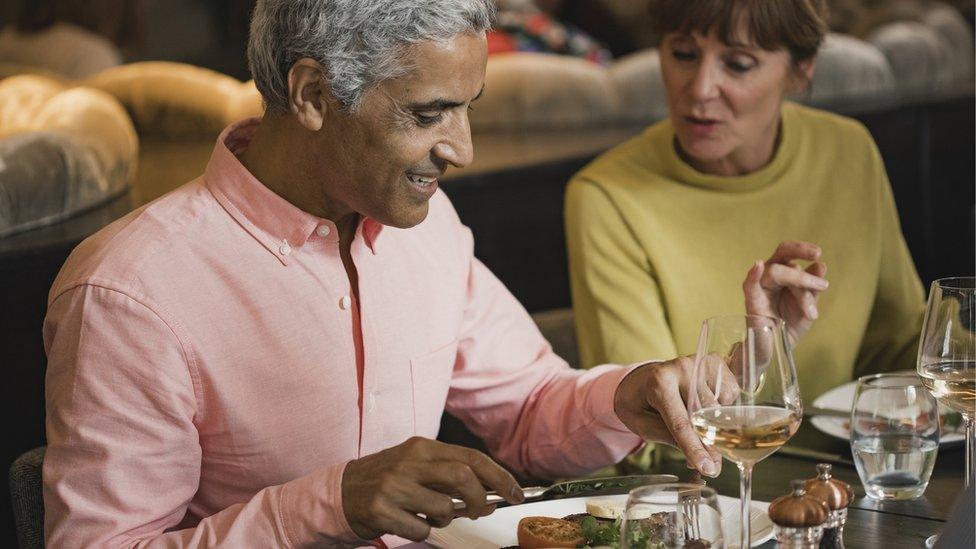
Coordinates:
(670, 516)
(894, 435)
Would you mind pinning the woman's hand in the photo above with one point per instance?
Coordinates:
(781, 289)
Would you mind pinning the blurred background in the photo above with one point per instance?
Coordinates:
(108, 104)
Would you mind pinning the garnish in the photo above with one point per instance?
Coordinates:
(596, 533)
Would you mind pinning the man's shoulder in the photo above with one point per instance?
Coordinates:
(123, 254)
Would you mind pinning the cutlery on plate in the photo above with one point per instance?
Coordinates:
(830, 412)
(585, 487)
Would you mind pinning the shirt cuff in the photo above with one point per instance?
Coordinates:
(603, 411)
(312, 512)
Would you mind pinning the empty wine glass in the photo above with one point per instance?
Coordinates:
(669, 516)
(947, 353)
(745, 400)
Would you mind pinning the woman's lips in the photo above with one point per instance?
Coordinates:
(702, 127)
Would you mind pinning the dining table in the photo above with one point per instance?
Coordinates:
(870, 523)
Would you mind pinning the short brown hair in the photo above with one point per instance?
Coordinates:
(797, 25)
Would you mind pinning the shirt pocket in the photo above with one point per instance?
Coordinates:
(431, 379)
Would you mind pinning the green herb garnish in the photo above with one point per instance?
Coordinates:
(596, 533)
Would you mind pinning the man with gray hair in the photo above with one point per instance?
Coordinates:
(262, 357)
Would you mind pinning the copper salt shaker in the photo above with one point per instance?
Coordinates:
(837, 495)
(799, 518)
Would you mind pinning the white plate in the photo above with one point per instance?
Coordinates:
(499, 528)
(842, 398)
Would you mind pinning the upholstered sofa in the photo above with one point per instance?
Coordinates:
(62, 150)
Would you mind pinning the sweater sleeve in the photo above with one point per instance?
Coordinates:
(123, 460)
(619, 313)
(891, 339)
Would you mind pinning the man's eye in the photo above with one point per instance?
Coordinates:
(428, 119)
(683, 55)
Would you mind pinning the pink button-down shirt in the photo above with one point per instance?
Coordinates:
(210, 374)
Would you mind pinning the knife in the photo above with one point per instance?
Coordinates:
(585, 487)
(829, 412)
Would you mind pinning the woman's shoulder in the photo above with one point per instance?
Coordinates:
(824, 125)
(639, 158)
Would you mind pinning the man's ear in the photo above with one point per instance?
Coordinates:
(309, 96)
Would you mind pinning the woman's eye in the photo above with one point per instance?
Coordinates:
(683, 55)
(428, 119)
(739, 66)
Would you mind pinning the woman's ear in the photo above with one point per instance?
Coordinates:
(803, 75)
(309, 96)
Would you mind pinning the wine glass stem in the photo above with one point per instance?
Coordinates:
(745, 508)
(970, 450)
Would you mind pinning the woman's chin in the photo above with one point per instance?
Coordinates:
(702, 151)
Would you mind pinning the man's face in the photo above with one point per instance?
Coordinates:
(384, 160)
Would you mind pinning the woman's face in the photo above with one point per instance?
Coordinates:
(724, 100)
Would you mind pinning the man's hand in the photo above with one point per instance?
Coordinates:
(384, 492)
(651, 402)
(781, 289)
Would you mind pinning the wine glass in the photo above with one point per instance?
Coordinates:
(745, 399)
(670, 516)
(947, 352)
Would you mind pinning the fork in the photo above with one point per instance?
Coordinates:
(689, 501)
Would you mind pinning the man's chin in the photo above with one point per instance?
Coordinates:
(410, 217)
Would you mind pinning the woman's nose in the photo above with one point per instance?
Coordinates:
(705, 83)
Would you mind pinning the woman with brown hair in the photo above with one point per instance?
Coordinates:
(659, 227)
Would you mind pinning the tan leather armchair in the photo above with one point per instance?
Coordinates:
(63, 150)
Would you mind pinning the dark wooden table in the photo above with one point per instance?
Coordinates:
(889, 524)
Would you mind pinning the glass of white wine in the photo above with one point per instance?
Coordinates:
(947, 353)
(745, 400)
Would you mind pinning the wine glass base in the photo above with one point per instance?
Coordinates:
(931, 541)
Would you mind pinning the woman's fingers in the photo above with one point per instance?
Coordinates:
(781, 276)
(757, 302)
(790, 250)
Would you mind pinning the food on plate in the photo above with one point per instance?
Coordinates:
(544, 532)
(613, 508)
(598, 527)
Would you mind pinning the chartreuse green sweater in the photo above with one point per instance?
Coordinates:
(655, 247)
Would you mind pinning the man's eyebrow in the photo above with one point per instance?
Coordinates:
(440, 104)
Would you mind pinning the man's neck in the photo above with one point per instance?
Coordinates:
(270, 159)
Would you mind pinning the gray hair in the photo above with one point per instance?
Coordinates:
(359, 43)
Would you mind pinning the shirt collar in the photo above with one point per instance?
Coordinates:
(280, 226)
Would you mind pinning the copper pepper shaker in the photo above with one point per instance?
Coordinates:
(799, 518)
(837, 495)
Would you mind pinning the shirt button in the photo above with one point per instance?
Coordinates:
(323, 231)
(345, 302)
(284, 249)
(370, 402)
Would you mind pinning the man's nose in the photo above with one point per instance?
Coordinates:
(455, 146)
